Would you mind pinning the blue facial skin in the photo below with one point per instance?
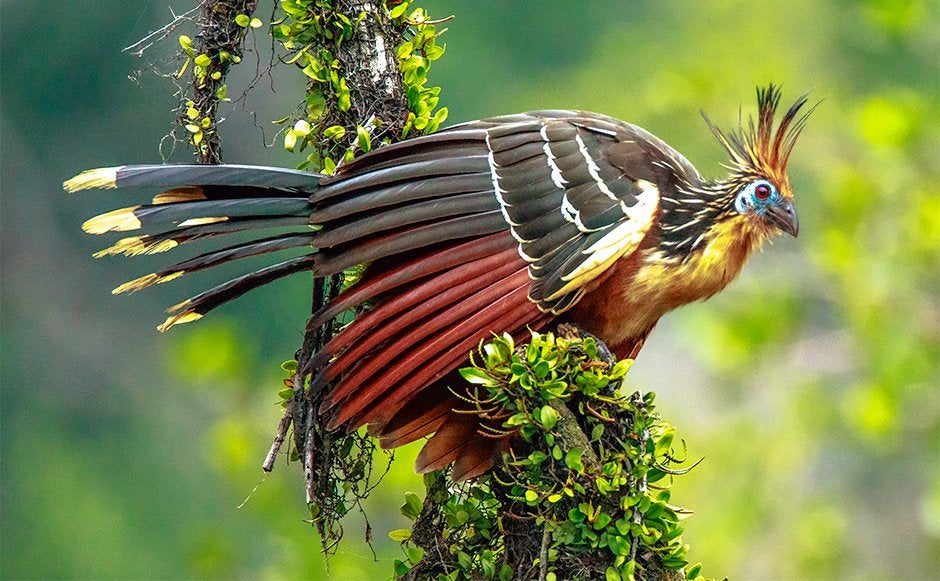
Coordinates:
(760, 198)
(756, 198)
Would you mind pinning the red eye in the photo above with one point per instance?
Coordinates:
(762, 191)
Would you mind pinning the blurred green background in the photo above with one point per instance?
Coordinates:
(811, 386)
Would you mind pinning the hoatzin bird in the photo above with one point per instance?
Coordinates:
(500, 225)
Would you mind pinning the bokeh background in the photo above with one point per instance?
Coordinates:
(811, 386)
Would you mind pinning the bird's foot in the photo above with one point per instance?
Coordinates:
(573, 331)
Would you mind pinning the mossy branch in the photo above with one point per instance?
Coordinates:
(223, 26)
(583, 492)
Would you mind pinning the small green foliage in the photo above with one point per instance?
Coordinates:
(314, 37)
(586, 481)
(414, 61)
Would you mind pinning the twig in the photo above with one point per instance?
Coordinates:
(137, 49)
(310, 453)
(279, 437)
(543, 554)
(641, 488)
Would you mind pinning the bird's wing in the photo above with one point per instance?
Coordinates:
(578, 191)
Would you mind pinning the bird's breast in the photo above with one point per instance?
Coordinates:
(643, 287)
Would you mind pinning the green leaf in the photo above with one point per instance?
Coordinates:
(519, 419)
(203, 60)
(415, 554)
(602, 521)
(531, 496)
(404, 50)
(256, 23)
(335, 132)
(477, 376)
(401, 568)
(573, 460)
(412, 507)
(621, 368)
(242, 20)
(619, 545)
(363, 139)
(290, 139)
(611, 574)
(303, 128)
(398, 11)
(343, 100)
(433, 52)
(505, 573)
(187, 44)
(538, 457)
(548, 416)
(399, 535)
(438, 118)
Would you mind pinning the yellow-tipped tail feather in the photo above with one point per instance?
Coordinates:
(135, 246)
(179, 319)
(116, 220)
(145, 281)
(103, 177)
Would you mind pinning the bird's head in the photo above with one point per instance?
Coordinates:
(758, 191)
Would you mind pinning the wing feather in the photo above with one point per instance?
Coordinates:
(574, 203)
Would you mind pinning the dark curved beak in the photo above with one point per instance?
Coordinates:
(783, 216)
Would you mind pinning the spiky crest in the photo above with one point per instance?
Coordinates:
(759, 148)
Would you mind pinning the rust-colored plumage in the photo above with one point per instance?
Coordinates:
(500, 225)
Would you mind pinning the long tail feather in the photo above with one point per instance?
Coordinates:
(169, 176)
(193, 213)
(215, 258)
(199, 305)
(163, 241)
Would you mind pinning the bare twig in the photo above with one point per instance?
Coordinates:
(641, 488)
(543, 553)
(138, 48)
(279, 437)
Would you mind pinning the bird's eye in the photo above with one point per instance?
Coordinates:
(762, 191)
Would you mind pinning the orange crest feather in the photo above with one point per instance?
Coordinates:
(760, 148)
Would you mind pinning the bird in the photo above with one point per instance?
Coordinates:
(508, 224)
